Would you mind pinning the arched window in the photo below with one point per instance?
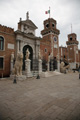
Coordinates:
(1, 43)
(1, 63)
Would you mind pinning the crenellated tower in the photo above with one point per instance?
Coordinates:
(50, 41)
(72, 47)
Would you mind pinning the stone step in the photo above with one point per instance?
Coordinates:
(33, 73)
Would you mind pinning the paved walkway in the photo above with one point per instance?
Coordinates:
(52, 98)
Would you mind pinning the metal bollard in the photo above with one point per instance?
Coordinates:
(79, 75)
(15, 80)
(38, 77)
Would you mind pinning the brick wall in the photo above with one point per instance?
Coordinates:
(63, 53)
(45, 43)
(9, 40)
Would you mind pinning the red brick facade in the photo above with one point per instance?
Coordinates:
(9, 41)
(49, 43)
(63, 52)
(70, 53)
(49, 36)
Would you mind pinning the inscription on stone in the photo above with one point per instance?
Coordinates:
(10, 46)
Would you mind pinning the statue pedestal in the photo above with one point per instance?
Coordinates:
(20, 77)
(27, 68)
(58, 65)
(48, 66)
(40, 66)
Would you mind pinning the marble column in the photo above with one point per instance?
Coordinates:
(48, 66)
(58, 65)
(12, 62)
(27, 67)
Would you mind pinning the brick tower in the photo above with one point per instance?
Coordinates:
(49, 43)
(72, 47)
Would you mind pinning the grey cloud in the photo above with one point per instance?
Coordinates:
(66, 12)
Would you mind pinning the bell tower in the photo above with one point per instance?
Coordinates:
(50, 41)
(72, 47)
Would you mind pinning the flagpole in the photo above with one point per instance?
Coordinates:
(49, 13)
(71, 28)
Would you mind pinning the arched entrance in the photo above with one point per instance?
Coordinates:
(24, 55)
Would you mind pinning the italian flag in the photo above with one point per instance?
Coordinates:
(47, 12)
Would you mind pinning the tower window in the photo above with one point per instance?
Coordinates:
(64, 56)
(53, 25)
(71, 38)
(1, 43)
(47, 25)
(45, 50)
(1, 62)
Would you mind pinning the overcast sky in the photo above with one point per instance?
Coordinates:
(65, 12)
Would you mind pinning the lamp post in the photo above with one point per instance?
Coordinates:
(15, 79)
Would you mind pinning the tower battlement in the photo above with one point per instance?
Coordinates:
(6, 29)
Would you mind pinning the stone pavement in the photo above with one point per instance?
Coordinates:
(52, 98)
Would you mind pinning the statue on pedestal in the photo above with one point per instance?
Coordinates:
(27, 54)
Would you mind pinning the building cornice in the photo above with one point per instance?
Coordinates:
(30, 36)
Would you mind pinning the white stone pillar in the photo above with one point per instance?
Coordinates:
(58, 65)
(40, 66)
(48, 67)
(27, 67)
(12, 62)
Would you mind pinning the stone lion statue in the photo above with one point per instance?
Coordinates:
(27, 54)
(63, 67)
(17, 70)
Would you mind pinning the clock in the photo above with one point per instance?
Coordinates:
(55, 39)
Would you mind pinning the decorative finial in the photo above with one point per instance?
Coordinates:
(27, 15)
(20, 19)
